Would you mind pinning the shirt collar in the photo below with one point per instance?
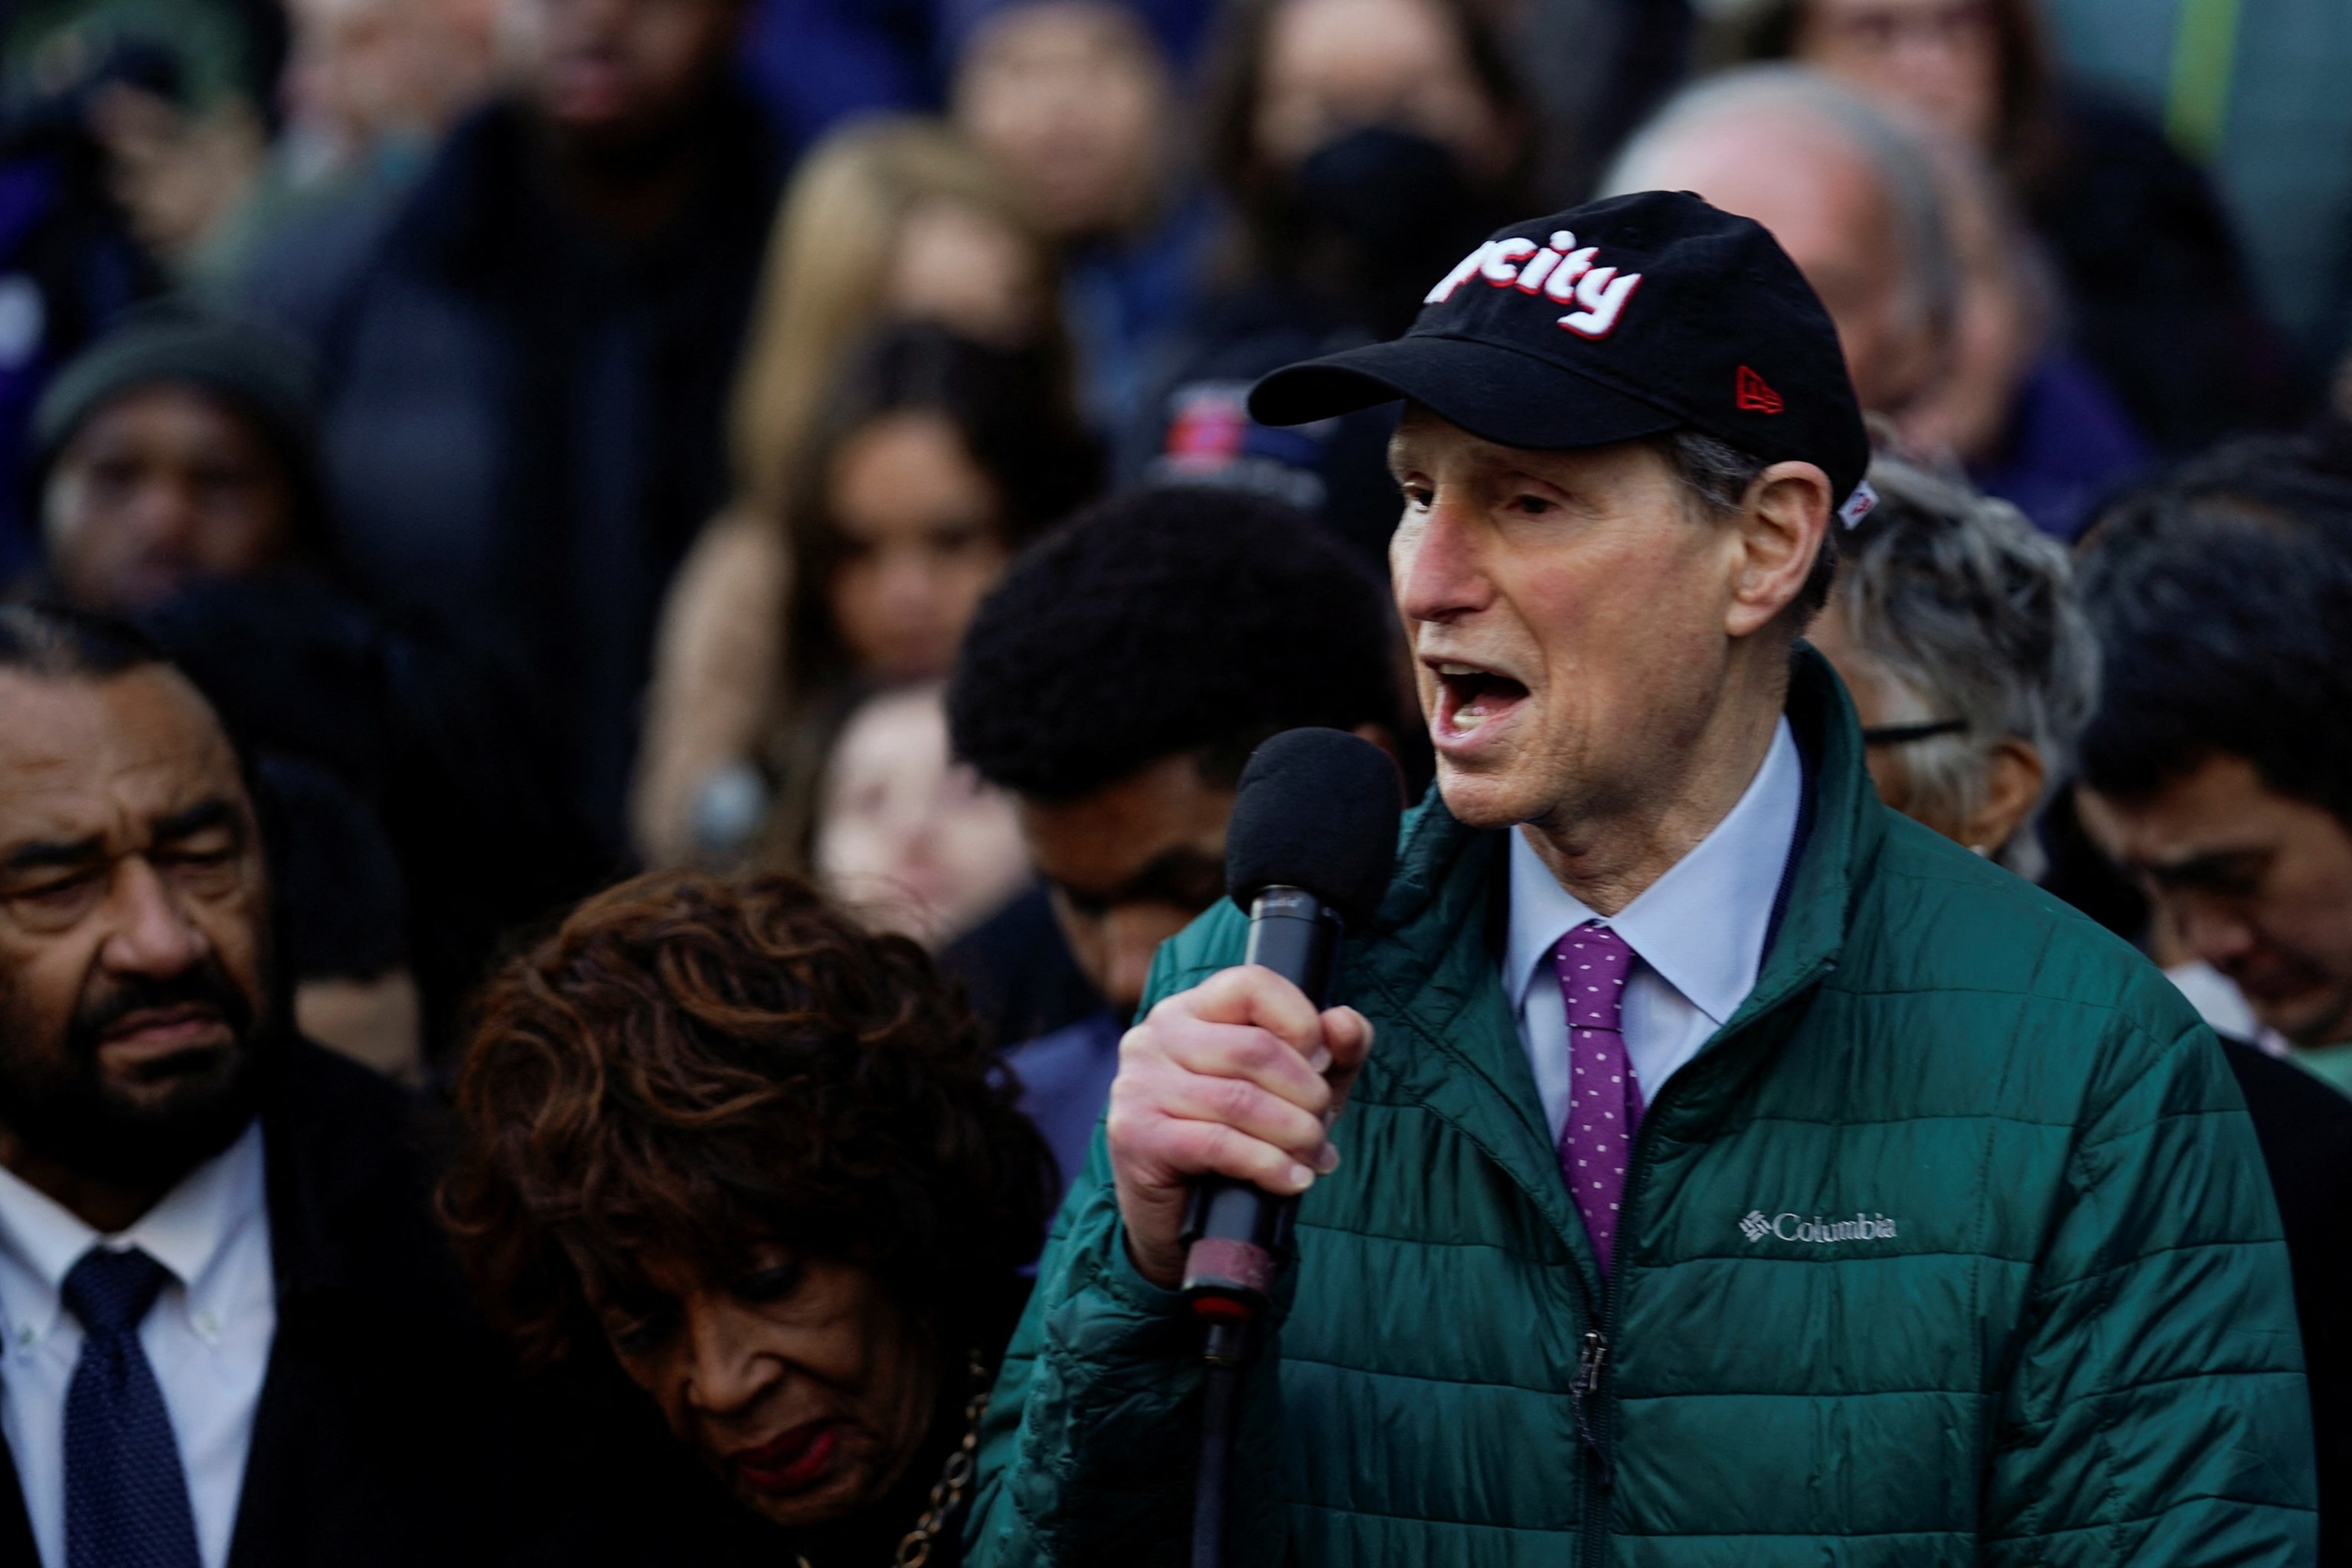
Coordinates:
(1702, 925)
(187, 1232)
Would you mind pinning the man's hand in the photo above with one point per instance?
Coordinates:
(1238, 1077)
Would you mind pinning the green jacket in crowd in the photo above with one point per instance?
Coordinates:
(1953, 1245)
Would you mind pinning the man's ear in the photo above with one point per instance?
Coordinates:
(2014, 774)
(1783, 525)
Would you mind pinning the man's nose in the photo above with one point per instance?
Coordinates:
(725, 1374)
(908, 580)
(164, 512)
(2214, 932)
(152, 935)
(600, 16)
(1132, 943)
(1435, 565)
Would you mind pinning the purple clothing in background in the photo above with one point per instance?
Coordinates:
(2070, 447)
(1065, 1084)
(1125, 302)
(813, 63)
(1181, 27)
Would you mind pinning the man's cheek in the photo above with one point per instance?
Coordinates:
(41, 998)
(240, 940)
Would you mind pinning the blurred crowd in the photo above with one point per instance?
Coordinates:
(570, 439)
(576, 435)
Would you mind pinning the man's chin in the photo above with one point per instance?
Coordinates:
(1482, 799)
(141, 1075)
(2308, 1019)
(150, 1125)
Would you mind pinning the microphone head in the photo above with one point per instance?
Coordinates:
(1317, 809)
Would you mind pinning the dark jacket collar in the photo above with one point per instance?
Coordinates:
(349, 1201)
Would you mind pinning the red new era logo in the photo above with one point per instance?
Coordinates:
(1754, 396)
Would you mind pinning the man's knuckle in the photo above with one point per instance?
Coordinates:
(1231, 1100)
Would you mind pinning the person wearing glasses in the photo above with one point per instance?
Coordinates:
(1952, 621)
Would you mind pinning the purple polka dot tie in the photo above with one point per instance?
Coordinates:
(1604, 1103)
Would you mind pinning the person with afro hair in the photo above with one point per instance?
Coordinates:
(1116, 683)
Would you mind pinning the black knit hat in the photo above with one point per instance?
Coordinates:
(1620, 319)
(261, 370)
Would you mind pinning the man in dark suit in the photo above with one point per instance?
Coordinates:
(232, 1333)
(525, 366)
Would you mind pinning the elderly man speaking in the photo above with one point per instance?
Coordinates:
(1742, 1175)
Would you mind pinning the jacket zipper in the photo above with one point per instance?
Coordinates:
(1586, 1393)
(1588, 1397)
(1589, 1363)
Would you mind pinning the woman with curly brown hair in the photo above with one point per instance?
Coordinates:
(720, 1137)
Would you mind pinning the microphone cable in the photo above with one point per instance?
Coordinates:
(1222, 1358)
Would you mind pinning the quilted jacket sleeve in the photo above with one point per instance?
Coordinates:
(1091, 1440)
(2154, 1411)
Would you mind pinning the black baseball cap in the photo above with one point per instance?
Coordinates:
(1613, 320)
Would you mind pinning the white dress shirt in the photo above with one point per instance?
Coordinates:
(207, 1336)
(1698, 935)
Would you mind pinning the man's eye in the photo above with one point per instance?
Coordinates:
(207, 873)
(1419, 496)
(61, 901)
(1531, 505)
(1085, 906)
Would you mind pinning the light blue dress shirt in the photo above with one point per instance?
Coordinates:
(207, 1336)
(1698, 935)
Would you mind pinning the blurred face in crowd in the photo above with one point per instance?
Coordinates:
(1999, 324)
(616, 71)
(1574, 618)
(907, 834)
(920, 545)
(162, 484)
(1823, 200)
(965, 269)
(1130, 865)
(800, 1383)
(1331, 66)
(133, 955)
(360, 68)
(1071, 98)
(1936, 62)
(2258, 884)
(177, 173)
(2013, 770)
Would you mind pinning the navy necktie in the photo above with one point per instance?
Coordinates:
(126, 1495)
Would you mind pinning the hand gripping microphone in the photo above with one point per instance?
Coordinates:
(1308, 855)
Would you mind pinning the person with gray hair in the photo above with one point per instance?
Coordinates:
(1851, 196)
(1942, 301)
(1954, 624)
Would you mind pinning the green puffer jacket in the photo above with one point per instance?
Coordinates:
(1953, 1247)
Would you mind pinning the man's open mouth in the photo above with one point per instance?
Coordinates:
(1469, 696)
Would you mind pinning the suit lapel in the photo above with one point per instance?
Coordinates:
(15, 1522)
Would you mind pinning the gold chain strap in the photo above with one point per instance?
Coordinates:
(947, 1492)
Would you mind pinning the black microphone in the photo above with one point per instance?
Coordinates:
(1308, 855)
